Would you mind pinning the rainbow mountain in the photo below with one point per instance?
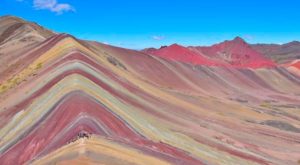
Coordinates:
(69, 101)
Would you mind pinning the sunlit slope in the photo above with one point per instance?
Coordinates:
(76, 101)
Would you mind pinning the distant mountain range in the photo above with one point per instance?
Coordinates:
(279, 53)
(236, 53)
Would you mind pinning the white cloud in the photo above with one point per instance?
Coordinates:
(158, 38)
(52, 5)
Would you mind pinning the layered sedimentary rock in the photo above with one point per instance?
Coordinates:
(69, 101)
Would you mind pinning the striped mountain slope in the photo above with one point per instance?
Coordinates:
(69, 101)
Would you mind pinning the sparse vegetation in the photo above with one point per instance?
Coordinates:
(3, 87)
(39, 66)
(116, 62)
(266, 105)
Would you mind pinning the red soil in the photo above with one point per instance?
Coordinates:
(296, 64)
(235, 53)
(182, 54)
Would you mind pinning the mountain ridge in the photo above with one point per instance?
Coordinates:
(72, 101)
(230, 53)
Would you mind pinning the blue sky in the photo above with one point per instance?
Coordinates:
(142, 23)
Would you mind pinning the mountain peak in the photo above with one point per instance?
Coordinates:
(238, 39)
(16, 31)
(175, 46)
(237, 53)
(10, 17)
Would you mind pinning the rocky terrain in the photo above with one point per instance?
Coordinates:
(68, 101)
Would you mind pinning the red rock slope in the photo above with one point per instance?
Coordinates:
(236, 53)
(182, 54)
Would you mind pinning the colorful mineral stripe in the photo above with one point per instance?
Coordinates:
(69, 101)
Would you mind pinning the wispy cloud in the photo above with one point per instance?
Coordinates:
(158, 38)
(53, 6)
